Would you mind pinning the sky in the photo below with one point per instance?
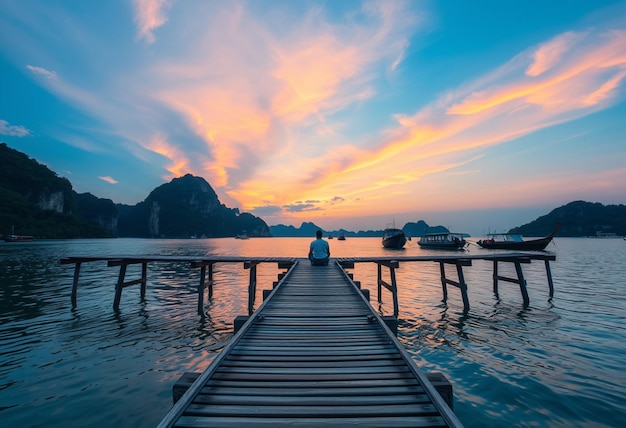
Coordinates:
(478, 116)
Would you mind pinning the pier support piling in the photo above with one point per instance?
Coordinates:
(75, 283)
(204, 283)
(460, 284)
(520, 276)
(393, 286)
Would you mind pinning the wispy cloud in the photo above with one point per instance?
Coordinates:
(150, 15)
(272, 105)
(179, 161)
(13, 130)
(108, 179)
(42, 72)
(455, 130)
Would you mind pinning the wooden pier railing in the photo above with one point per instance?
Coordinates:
(459, 261)
(207, 263)
(204, 263)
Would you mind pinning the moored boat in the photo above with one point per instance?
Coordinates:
(394, 238)
(18, 238)
(443, 241)
(513, 241)
(243, 235)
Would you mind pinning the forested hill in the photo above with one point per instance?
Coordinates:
(578, 218)
(186, 207)
(35, 201)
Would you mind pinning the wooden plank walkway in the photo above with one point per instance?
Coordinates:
(314, 353)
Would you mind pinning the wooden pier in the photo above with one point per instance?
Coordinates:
(314, 353)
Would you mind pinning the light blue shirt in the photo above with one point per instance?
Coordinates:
(320, 249)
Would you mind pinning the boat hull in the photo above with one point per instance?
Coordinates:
(18, 238)
(451, 246)
(442, 241)
(394, 239)
(534, 245)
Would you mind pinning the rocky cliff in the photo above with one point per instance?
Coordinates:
(35, 201)
(183, 208)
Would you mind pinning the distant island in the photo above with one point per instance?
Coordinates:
(579, 219)
(35, 201)
(308, 229)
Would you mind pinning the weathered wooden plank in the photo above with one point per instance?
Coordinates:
(289, 390)
(220, 399)
(371, 384)
(312, 370)
(313, 364)
(315, 422)
(414, 409)
(298, 377)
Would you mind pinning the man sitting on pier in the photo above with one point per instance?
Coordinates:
(319, 250)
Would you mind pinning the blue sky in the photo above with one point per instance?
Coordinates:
(474, 115)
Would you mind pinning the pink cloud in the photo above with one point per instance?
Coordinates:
(108, 179)
(150, 15)
(551, 53)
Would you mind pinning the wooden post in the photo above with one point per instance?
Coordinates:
(380, 281)
(144, 279)
(522, 283)
(75, 284)
(460, 284)
(119, 287)
(517, 261)
(444, 285)
(203, 284)
(495, 277)
(394, 290)
(549, 274)
(392, 265)
(463, 287)
(201, 287)
(252, 284)
(211, 281)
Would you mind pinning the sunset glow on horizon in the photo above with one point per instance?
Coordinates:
(349, 114)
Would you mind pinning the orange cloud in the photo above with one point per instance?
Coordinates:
(586, 62)
(179, 163)
(551, 53)
(258, 92)
(453, 132)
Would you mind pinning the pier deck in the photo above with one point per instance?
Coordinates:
(314, 353)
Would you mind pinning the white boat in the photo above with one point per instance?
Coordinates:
(242, 235)
(443, 241)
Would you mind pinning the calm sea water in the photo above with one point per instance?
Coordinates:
(557, 363)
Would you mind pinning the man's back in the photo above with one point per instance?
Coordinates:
(319, 249)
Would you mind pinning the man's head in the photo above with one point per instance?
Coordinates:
(318, 234)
